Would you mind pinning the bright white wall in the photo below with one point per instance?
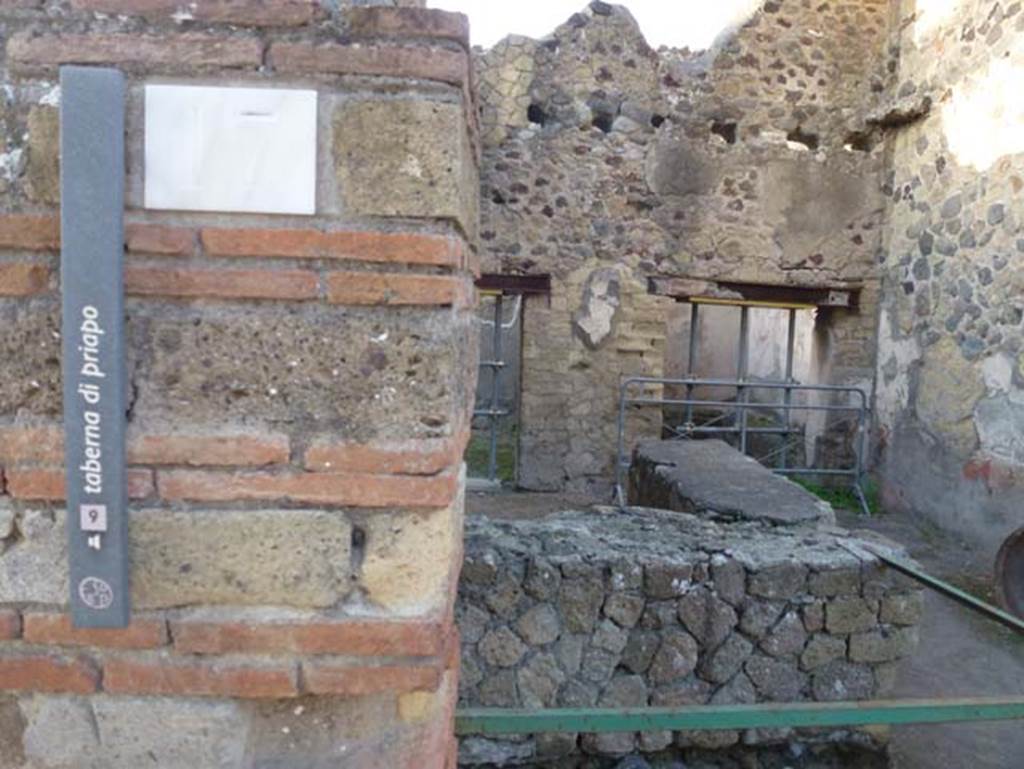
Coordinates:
(674, 23)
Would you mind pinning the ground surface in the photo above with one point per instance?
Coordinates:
(960, 654)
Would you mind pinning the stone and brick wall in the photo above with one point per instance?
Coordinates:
(606, 162)
(298, 404)
(634, 607)
(950, 382)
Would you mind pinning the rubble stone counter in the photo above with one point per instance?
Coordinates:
(640, 607)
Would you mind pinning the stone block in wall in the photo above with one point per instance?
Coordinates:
(42, 169)
(123, 732)
(405, 157)
(642, 607)
(300, 558)
(270, 365)
(392, 570)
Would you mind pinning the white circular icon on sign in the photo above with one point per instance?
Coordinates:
(96, 593)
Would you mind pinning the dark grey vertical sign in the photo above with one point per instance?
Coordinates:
(92, 255)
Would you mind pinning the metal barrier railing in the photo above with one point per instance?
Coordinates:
(742, 428)
(493, 411)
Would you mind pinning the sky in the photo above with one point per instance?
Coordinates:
(675, 23)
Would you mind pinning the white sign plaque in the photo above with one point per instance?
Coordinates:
(230, 149)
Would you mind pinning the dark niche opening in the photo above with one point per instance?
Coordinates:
(860, 141)
(799, 136)
(726, 129)
(603, 121)
(536, 114)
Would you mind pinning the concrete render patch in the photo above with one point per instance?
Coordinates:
(710, 477)
(128, 733)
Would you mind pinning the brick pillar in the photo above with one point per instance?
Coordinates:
(300, 390)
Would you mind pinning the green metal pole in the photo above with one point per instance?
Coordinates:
(955, 593)
(486, 721)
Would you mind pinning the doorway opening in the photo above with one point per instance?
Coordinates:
(492, 456)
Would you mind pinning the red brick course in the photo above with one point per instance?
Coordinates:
(10, 624)
(352, 681)
(252, 13)
(340, 489)
(45, 444)
(56, 629)
(48, 673)
(221, 284)
(141, 237)
(355, 638)
(29, 232)
(359, 288)
(412, 457)
(385, 247)
(196, 450)
(213, 679)
(381, 21)
(385, 60)
(180, 53)
(19, 279)
(47, 484)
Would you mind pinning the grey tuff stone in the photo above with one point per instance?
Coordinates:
(676, 657)
(708, 618)
(539, 625)
(725, 661)
(840, 680)
(501, 648)
(776, 679)
(850, 614)
(624, 608)
(822, 649)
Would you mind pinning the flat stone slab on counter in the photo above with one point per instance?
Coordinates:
(711, 477)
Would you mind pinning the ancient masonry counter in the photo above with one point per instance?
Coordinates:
(629, 608)
(298, 390)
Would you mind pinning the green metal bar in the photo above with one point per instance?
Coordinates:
(958, 595)
(485, 721)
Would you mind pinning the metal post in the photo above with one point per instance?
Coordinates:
(762, 715)
(492, 461)
(691, 362)
(742, 363)
(787, 394)
(858, 453)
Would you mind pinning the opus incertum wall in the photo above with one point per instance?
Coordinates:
(297, 395)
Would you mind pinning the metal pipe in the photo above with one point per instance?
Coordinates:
(620, 447)
(733, 404)
(492, 460)
(814, 471)
(692, 355)
(958, 595)
(734, 430)
(734, 382)
(742, 363)
(787, 394)
(766, 715)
